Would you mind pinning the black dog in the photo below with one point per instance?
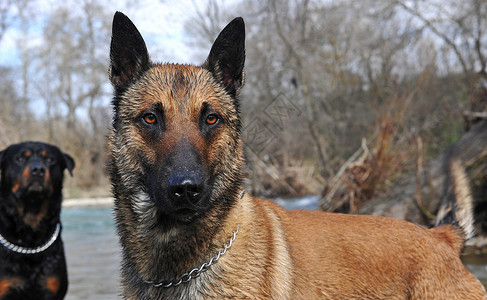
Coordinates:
(32, 262)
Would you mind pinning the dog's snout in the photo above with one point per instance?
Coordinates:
(37, 169)
(186, 186)
(186, 192)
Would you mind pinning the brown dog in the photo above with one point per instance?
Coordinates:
(187, 229)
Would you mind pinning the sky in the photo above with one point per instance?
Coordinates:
(161, 23)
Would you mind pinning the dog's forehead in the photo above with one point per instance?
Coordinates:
(31, 148)
(175, 86)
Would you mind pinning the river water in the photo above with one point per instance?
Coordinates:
(93, 252)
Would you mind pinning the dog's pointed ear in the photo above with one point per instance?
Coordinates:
(227, 57)
(128, 54)
(69, 162)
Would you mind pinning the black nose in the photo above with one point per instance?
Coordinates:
(37, 169)
(186, 186)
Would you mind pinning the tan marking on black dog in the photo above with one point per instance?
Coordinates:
(6, 284)
(52, 284)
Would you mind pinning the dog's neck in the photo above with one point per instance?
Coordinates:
(197, 271)
(26, 250)
(170, 253)
(24, 226)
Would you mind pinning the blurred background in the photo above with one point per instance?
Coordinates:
(323, 79)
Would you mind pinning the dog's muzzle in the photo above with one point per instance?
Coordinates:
(179, 184)
(36, 181)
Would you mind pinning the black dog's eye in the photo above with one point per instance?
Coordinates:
(212, 119)
(149, 119)
(20, 159)
(49, 160)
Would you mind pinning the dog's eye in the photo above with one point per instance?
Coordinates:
(49, 160)
(212, 119)
(150, 119)
(20, 159)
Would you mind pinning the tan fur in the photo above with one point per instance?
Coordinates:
(9, 283)
(33, 220)
(460, 202)
(52, 284)
(282, 254)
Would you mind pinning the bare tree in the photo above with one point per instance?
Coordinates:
(69, 61)
(460, 25)
(6, 15)
(24, 16)
(71, 80)
(207, 22)
(97, 28)
(9, 109)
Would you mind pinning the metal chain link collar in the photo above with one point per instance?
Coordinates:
(196, 272)
(23, 250)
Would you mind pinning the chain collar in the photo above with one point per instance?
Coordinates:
(196, 272)
(23, 250)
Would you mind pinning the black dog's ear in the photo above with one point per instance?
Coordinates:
(128, 54)
(227, 57)
(69, 161)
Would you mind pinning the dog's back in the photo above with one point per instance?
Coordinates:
(382, 258)
(367, 257)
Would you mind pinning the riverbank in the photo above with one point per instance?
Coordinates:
(305, 202)
(84, 202)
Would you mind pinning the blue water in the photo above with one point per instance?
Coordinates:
(93, 252)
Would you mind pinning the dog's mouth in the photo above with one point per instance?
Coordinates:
(35, 187)
(151, 208)
(183, 206)
(184, 211)
(184, 215)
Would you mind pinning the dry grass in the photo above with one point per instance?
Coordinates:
(371, 169)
